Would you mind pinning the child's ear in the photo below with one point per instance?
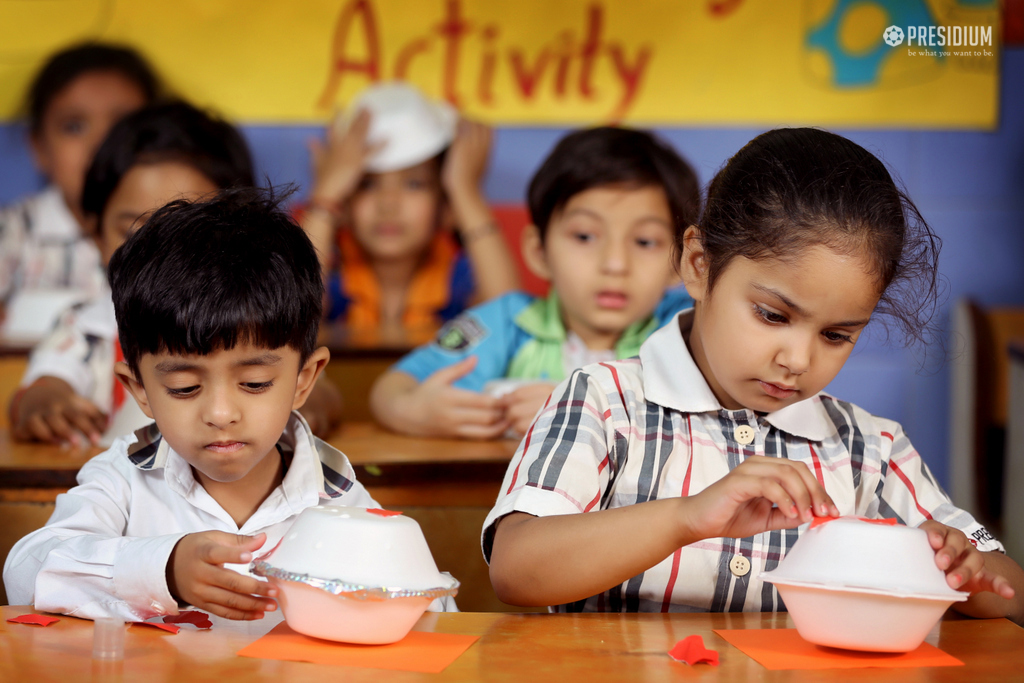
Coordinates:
(127, 379)
(694, 265)
(308, 375)
(534, 256)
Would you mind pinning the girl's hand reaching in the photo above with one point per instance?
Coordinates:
(963, 563)
(761, 494)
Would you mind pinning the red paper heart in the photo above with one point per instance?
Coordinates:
(382, 513)
(170, 628)
(34, 620)
(200, 620)
(690, 650)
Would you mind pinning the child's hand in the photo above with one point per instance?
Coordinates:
(523, 404)
(466, 161)
(339, 162)
(50, 410)
(436, 408)
(196, 575)
(761, 494)
(963, 563)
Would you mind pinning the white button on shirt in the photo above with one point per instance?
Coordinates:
(739, 566)
(626, 432)
(744, 434)
(104, 551)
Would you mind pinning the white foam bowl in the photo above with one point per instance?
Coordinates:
(861, 586)
(351, 575)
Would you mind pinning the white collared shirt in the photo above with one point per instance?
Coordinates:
(626, 432)
(104, 551)
(42, 247)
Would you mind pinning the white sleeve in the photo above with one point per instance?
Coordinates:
(69, 354)
(81, 564)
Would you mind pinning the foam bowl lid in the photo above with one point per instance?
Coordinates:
(851, 554)
(357, 553)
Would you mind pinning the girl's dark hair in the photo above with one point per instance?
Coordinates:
(198, 277)
(603, 156)
(69, 64)
(793, 188)
(175, 131)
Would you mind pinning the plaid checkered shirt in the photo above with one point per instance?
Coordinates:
(626, 432)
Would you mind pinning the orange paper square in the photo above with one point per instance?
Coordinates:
(783, 648)
(419, 651)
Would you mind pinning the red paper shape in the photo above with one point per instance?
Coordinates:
(170, 628)
(34, 620)
(382, 513)
(818, 521)
(690, 650)
(201, 620)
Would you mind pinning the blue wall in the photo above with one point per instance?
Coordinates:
(969, 186)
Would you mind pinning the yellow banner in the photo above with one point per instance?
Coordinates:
(560, 62)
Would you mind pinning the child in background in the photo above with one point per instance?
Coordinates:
(390, 186)
(606, 206)
(72, 104)
(218, 305)
(695, 464)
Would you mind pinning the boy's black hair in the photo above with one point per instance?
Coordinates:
(175, 131)
(598, 157)
(73, 62)
(199, 277)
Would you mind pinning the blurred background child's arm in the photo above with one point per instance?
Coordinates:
(50, 410)
(338, 165)
(436, 408)
(464, 166)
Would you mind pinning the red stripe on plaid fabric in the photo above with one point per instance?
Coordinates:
(667, 600)
(891, 437)
(615, 376)
(526, 447)
(910, 487)
(817, 465)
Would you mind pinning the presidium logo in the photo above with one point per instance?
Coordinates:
(940, 36)
(893, 36)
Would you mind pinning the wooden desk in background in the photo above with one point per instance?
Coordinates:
(512, 647)
(447, 485)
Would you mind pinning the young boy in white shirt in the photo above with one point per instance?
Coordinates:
(217, 307)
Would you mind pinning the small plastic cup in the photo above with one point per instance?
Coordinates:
(108, 639)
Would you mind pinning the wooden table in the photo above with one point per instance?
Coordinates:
(512, 647)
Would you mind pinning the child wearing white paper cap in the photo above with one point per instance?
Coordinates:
(395, 182)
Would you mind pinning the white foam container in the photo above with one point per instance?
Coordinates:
(860, 586)
(351, 575)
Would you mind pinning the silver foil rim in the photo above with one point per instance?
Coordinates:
(351, 590)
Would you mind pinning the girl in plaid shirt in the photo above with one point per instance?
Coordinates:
(697, 462)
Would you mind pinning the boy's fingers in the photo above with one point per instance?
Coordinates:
(241, 584)
(482, 432)
(234, 606)
(453, 372)
(38, 429)
(59, 426)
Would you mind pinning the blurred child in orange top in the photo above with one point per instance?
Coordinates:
(404, 233)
